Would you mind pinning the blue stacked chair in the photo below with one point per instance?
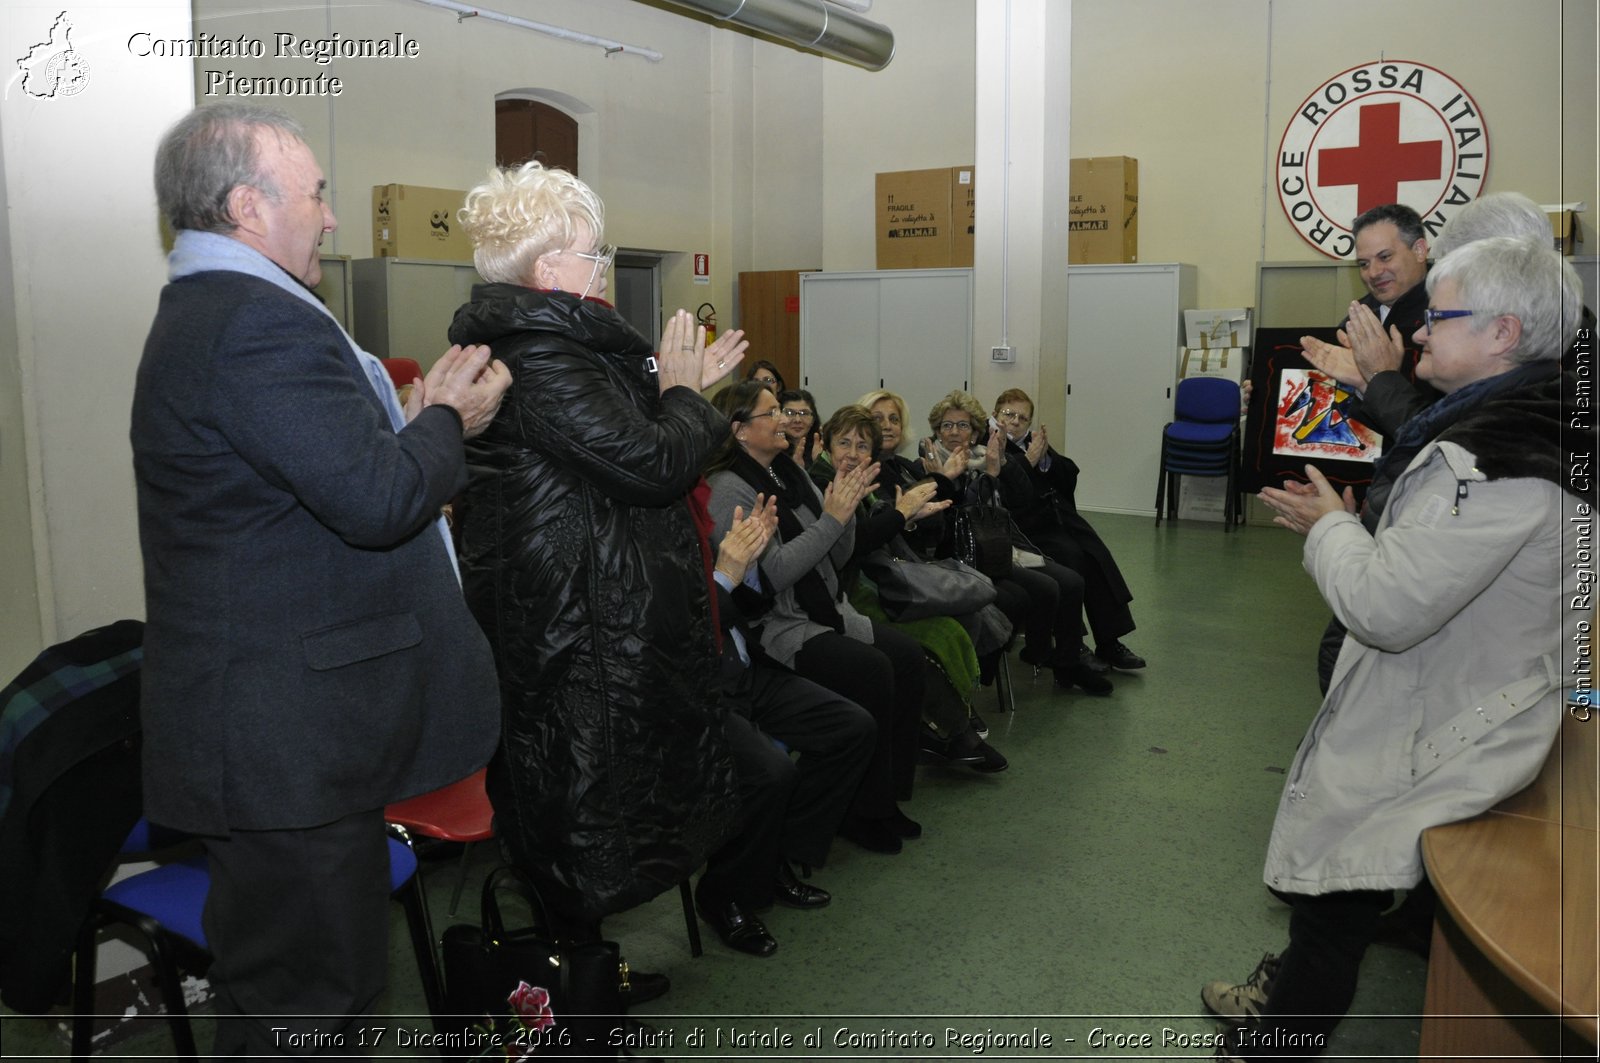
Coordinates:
(1202, 441)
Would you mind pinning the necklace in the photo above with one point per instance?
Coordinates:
(775, 477)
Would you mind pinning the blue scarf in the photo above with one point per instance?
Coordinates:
(199, 252)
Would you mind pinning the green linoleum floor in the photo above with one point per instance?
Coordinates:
(1095, 885)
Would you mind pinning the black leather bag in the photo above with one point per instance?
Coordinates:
(983, 532)
(524, 991)
(911, 589)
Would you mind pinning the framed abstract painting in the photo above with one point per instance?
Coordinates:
(1299, 416)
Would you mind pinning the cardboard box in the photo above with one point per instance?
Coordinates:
(410, 221)
(924, 218)
(1104, 212)
(1564, 226)
(1229, 363)
(1217, 328)
(963, 212)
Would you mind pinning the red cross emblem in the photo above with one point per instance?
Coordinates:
(1386, 132)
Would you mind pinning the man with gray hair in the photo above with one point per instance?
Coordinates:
(308, 654)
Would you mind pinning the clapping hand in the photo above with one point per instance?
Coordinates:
(468, 381)
(994, 453)
(1334, 360)
(686, 360)
(1375, 351)
(918, 503)
(847, 490)
(1037, 446)
(747, 537)
(1299, 506)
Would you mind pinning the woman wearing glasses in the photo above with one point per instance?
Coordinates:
(810, 628)
(1447, 692)
(1046, 602)
(581, 559)
(1039, 486)
(799, 424)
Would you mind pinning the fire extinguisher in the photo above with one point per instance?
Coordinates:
(707, 316)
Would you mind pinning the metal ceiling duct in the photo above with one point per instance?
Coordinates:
(832, 31)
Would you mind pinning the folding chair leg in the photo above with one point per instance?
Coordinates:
(690, 920)
(461, 879)
(1161, 482)
(414, 902)
(167, 984)
(1002, 678)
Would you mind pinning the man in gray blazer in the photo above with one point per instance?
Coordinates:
(308, 654)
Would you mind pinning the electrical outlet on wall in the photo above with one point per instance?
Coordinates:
(1004, 355)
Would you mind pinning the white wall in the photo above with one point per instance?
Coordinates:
(1200, 95)
(917, 113)
(83, 258)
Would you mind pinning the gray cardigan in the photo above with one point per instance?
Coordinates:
(825, 545)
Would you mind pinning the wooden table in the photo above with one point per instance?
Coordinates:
(1512, 969)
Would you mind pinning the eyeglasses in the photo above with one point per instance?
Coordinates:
(951, 426)
(791, 413)
(1013, 415)
(601, 258)
(1431, 315)
(775, 413)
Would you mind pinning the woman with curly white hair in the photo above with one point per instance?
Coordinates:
(583, 557)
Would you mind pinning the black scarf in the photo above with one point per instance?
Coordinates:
(1438, 420)
(786, 481)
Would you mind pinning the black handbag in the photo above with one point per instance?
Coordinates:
(517, 992)
(983, 532)
(911, 589)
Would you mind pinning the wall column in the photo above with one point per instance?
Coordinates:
(1024, 53)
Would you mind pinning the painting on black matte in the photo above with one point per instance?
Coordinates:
(1299, 416)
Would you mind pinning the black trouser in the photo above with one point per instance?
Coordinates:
(1109, 615)
(742, 868)
(298, 921)
(1045, 603)
(1316, 981)
(885, 677)
(834, 738)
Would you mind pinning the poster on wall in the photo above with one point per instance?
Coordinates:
(1300, 416)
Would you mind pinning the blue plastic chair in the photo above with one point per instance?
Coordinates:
(1203, 440)
(165, 904)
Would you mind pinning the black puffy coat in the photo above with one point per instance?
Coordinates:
(580, 558)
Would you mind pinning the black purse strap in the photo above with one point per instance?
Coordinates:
(513, 880)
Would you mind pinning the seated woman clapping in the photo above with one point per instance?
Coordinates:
(1045, 601)
(810, 627)
(850, 439)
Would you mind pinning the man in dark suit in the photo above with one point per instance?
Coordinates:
(308, 654)
(1379, 355)
(791, 809)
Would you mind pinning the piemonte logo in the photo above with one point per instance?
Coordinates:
(52, 68)
(1392, 131)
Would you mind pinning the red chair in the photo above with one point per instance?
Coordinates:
(461, 812)
(402, 370)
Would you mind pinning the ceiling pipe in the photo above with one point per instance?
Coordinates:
(861, 6)
(822, 27)
(466, 11)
